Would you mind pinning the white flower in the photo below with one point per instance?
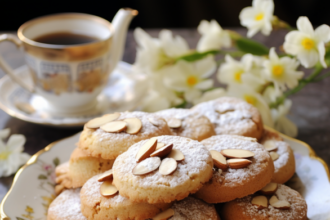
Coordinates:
(11, 156)
(191, 78)
(258, 17)
(307, 44)
(159, 96)
(213, 36)
(247, 94)
(234, 72)
(210, 95)
(153, 54)
(271, 94)
(282, 71)
(282, 123)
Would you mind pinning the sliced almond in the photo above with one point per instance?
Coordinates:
(107, 189)
(219, 160)
(134, 125)
(146, 166)
(269, 189)
(279, 204)
(273, 200)
(164, 215)
(162, 152)
(146, 149)
(224, 111)
(154, 121)
(107, 175)
(260, 201)
(238, 163)
(220, 171)
(97, 122)
(160, 145)
(174, 123)
(274, 155)
(237, 153)
(270, 145)
(168, 166)
(114, 126)
(176, 155)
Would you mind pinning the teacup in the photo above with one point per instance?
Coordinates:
(70, 56)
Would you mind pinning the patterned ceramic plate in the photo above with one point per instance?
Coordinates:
(33, 187)
(122, 93)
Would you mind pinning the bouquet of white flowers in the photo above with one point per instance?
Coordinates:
(180, 76)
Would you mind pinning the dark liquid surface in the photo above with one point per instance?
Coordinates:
(65, 38)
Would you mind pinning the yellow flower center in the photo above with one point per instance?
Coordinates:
(237, 76)
(278, 70)
(308, 43)
(250, 99)
(192, 80)
(259, 16)
(4, 155)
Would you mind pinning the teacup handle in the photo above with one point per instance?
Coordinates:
(6, 68)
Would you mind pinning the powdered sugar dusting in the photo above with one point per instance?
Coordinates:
(298, 209)
(234, 177)
(193, 209)
(67, 206)
(229, 115)
(91, 194)
(194, 124)
(197, 159)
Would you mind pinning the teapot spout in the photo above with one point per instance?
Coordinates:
(120, 25)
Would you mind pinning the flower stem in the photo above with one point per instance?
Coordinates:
(302, 83)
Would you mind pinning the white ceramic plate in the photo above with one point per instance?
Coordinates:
(33, 187)
(122, 93)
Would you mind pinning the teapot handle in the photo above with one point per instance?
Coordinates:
(6, 68)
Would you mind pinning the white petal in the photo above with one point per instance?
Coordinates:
(4, 133)
(210, 95)
(285, 126)
(305, 26)
(308, 59)
(273, 55)
(192, 95)
(206, 66)
(206, 84)
(322, 33)
(203, 27)
(252, 32)
(247, 61)
(321, 49)
(16, 142)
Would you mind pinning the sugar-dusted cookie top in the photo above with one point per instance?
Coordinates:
(186, 123)
(232, 116)
(98, 207)
(66, 206)
(99, 142)
(296, 207)
(281, 154)
(154, 187)
(230, 183)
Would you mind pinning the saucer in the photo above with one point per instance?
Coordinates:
(123, 92)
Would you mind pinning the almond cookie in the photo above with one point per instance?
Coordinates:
(193, 209)
(286, 204)
(232, 116)
(282, 155)
(108, 145)
(63, 179)
(98, 207)
(193, 167)
(66, 206)
(239, 176)
(80, 168)
(186, 123)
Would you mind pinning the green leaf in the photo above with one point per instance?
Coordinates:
(250, 46)
(197, 55)
(56, 162)
(327, 57)
(42, 177)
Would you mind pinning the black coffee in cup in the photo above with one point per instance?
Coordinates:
(65, 38)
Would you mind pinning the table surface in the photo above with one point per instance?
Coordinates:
(310, 110)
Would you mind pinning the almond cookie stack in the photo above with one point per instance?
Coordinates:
(176, 164)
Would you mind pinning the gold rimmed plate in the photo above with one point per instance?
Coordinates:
(33, 186)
